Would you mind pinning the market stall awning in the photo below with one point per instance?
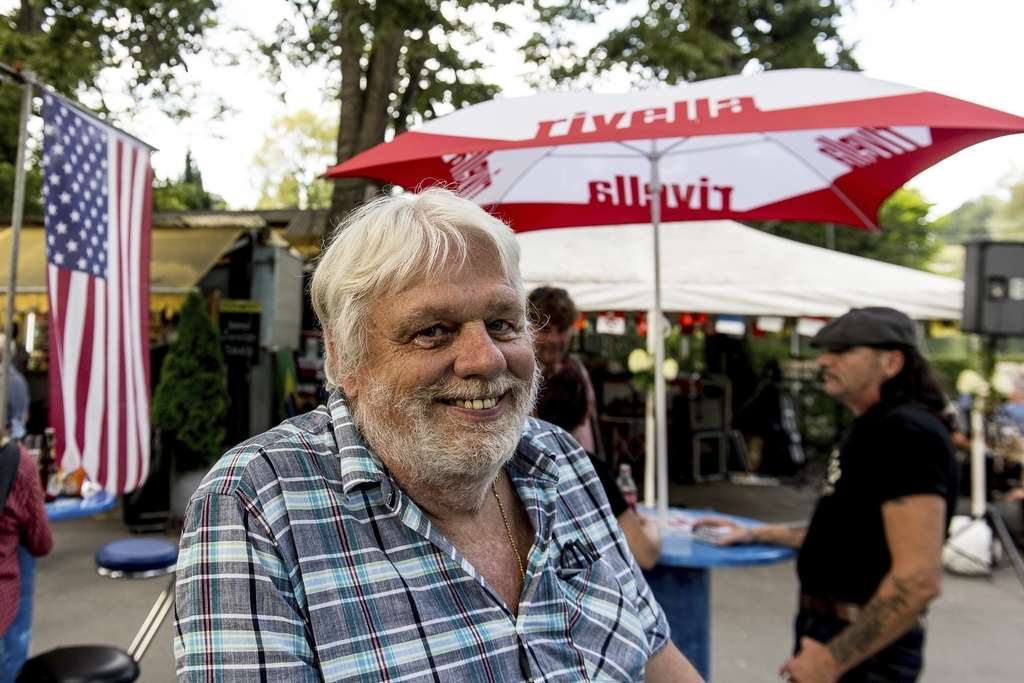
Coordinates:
(180, 258)
(725, 267)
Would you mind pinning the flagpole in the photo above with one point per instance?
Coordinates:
(17, 214)
(654, 328)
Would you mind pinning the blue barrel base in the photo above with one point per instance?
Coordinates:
(684, 594)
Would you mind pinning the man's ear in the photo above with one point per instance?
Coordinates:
(350, 385)
(892, 363)
(347, 379)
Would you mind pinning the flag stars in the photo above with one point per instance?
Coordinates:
(75, 155)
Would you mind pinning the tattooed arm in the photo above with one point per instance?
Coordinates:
(915, 531)
(789, 535)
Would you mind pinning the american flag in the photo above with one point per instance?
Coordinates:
(97, 199)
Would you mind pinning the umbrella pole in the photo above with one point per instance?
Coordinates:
(654, 327)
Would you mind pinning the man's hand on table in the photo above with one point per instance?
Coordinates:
(739, 534)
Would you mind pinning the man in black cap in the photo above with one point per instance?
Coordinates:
(870, 561)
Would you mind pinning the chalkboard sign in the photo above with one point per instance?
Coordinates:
(240, 330)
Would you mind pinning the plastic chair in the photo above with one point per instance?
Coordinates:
(133, 558)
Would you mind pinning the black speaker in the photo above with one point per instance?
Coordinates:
(994, 288)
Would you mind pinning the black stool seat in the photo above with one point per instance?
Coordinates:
(136, 558)
(80, 664)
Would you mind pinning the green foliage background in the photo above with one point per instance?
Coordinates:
(69, 45)
(192, 397)
(908, 237)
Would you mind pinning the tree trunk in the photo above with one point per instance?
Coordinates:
(28, 18)
(348, 192)
(364, 109)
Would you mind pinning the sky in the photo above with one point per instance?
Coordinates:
(969, 50)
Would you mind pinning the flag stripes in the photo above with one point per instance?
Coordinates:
(98, 214)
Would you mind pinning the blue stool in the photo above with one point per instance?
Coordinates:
(133, 558)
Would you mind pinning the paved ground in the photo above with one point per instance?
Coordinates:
(974, 635)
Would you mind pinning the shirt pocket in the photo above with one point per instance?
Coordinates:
(602, 619)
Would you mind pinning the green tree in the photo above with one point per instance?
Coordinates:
(71, 45)
(395, 62)
(970, 220)
(192, 397)
(907, 238)
(1007, 222)
(186, 193)
(988, 217)
(674, 41)
(296, 150)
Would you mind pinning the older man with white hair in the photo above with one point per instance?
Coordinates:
(420, 526)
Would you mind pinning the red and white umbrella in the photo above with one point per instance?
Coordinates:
(802, 144)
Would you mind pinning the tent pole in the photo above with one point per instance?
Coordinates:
(654, 327)
(17, 214)
(979, 498)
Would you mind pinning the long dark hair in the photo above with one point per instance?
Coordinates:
(916, 383)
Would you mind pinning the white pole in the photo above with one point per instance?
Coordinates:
(978, 497)
(17, 213)
(654, 328)
(650, 427)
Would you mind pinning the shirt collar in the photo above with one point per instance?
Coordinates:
(359, 465)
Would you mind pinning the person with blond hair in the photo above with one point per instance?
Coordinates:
(420, 526)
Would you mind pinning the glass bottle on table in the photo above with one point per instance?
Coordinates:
(626, 484)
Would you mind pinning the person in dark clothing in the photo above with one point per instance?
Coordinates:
(870, 561)
(562, 401)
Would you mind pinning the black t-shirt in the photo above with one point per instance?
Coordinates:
(611, 489)
(888, 452)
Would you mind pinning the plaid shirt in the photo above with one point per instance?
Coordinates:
(302, 560)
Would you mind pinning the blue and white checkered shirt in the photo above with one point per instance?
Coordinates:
(302, 560)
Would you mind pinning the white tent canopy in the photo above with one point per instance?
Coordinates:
(725, 267)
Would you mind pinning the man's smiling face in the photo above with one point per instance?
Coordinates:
(449, 376)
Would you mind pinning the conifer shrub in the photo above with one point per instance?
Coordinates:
(192, 397)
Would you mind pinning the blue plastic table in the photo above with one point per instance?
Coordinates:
(682, 580)
(75, 508)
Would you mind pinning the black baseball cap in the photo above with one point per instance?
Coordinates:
(874, 326)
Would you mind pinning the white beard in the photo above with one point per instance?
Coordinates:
(429, 446)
